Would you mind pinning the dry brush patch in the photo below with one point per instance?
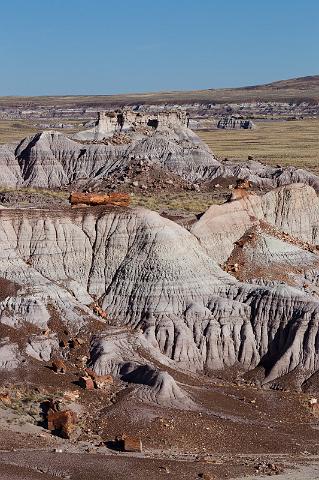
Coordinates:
(36, 191)
(16, 130)
(184, 202)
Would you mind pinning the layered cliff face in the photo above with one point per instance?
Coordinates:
(118, 121)
(152, 275)
(52, 160)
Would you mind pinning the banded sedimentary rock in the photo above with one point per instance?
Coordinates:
(152, 275)
(293, 209)
(52, 160)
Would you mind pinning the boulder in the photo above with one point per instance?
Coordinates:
(5, 399)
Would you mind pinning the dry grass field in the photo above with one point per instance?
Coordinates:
(186, 202)
(15, 130)
(281, 142)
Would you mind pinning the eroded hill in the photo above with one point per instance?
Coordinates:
(198, 340)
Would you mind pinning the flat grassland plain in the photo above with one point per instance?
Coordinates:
(15, 130)
(285, 143)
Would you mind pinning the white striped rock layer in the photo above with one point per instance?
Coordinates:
(154, 276)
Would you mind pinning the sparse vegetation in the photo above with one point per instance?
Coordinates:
(15, 130)
(36, 191)
(187, 202)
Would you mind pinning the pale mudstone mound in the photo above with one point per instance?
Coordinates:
(41, 347)
(51, 159)
(163, 139)
(293, 209)
(266, 176)
(154, 276)
(264, 256)
(10, 357)
(116, 352)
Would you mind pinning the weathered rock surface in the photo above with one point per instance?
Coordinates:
(109, 123)
(163, 139)
(154, 276)
(42, 347)
(10, 357)
(265, 255)
(266, 176)
(51, 160)
(120, 352)
(293, 209)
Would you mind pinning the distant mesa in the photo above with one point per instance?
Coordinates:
(111, 122)
(235, 123)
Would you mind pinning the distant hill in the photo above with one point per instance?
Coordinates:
(303, 89)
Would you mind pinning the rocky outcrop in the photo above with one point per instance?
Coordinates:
(10, 357)
(293, 209)
(51, 160)
(162, 140)
(265, 255)
(112, 122)
(42, 347)
(231, 123)
(152, 275)
(265, 176)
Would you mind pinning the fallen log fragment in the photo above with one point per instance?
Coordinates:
(117, 199)
(63, 423)
(131, 444)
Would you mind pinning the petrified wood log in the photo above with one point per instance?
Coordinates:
(118, 199)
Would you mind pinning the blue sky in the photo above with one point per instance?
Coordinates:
(107, 46)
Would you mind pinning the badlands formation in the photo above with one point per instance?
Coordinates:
(162, 140)
(170, 313)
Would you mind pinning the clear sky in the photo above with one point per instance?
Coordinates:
(52, 47)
